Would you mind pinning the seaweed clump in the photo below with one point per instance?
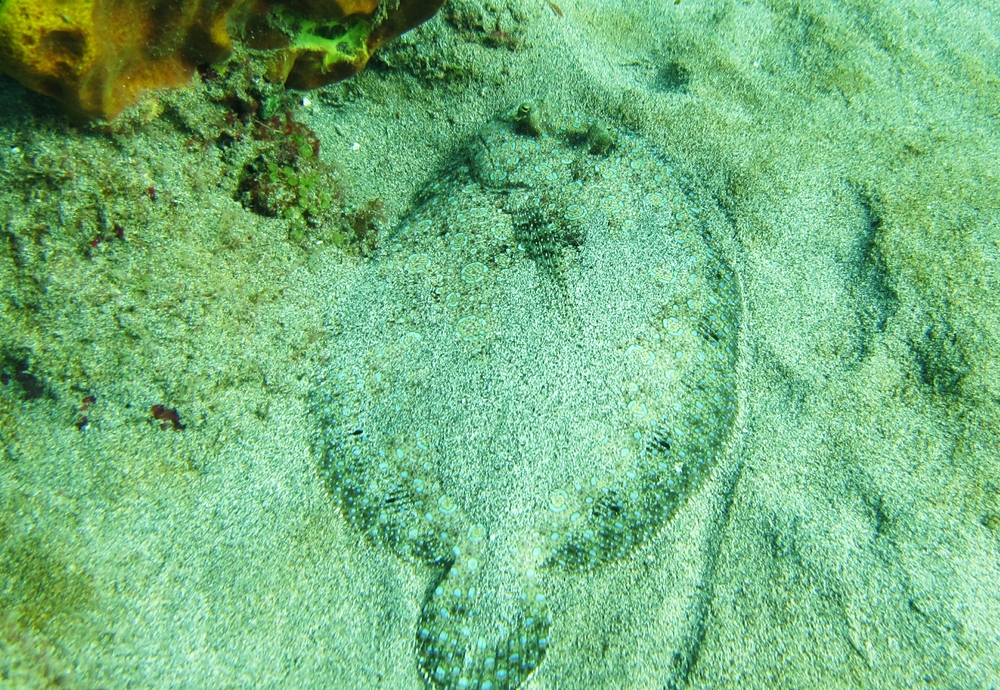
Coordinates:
(287, 179)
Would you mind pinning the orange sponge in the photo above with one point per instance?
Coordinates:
(99, 56)
(323, 41)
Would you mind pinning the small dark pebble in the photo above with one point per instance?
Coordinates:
(168, 416)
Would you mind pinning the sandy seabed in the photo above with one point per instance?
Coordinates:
(851, 537)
